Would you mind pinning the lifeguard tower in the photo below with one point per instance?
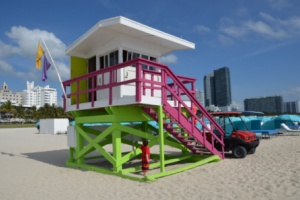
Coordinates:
(120, 93)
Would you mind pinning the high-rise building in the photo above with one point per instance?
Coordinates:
(39, 96)
(200, 97)
(292, 107)
(217, 88)
(7, 95)
(271, 104)
(208, 90)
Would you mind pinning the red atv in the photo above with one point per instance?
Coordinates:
(238, 139)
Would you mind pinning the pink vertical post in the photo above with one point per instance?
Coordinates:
(223, 150)
(110, 86)
(77, 95)
(64, 102)
(152, 85)
(193, 88)
(179, 112)
(64, 99)
(93, 89)
(143, 74)
(177, 92)
(204, 132)
(163, 87)
(203, 121)
(138, 95)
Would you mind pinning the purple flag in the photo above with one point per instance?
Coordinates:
(46, 66)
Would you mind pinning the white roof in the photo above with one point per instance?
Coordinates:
(106, 30)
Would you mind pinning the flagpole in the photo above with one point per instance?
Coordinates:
(63, 89)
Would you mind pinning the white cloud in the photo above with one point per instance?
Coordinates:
(63, 71)
(265, 50)
(24, 46)
(231, 28)
(202, 29)
(234, 31)
(7, 50)
(224, 40)
(264, 29)
(267, 17)
(27, 41)
(242, 12)
(292, 25)
(279, 4)
(295, 23)
(5, 68)
(169, 59)
(267, 27)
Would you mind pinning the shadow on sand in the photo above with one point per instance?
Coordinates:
(56, 157)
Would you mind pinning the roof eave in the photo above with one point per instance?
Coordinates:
(182, 44)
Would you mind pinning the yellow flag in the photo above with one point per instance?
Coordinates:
(39, 54)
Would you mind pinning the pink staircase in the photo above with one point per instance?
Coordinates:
(190, 129)
(196, 140)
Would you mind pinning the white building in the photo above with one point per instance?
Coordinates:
(39, 96)
(7, 95)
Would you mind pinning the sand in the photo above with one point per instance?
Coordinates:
(32, 166)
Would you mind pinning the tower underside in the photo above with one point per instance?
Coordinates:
(107, 140)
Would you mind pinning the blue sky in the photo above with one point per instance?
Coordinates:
(259, 40)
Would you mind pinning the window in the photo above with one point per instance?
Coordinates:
(127, 55)
(145, 66)
(102, 62)
(113, 58)
(135, 55)
(109, 59)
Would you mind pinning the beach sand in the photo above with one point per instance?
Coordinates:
(32, 166)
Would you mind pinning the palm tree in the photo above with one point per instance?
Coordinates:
(28, 113)
(8, 109)
(33, 112)
(20, 112)
(53, 111)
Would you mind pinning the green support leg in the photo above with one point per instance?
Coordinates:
(71, 153)
(80, 145)
(145, 126)
(161, 139)
(117, 150)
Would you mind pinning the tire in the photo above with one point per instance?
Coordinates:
(239, 152)
(252, 151)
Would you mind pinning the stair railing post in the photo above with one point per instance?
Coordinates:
(163, 87)
(138, 94)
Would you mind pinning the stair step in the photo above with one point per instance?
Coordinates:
(183, 134)
(189, 140)
(186, 137)
(176, 131)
